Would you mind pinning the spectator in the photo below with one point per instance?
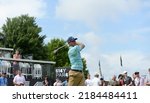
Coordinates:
(113, 81)
(102, 82)
(15, 63)
(65, 83)
(121, 80)
(133, 80)
(127, 79)
(1, 60)
(46, 81)
(96, 80)
(147, 81)
(0, 78)
(139, 81)
(3, 80)
(58, 82)
(88, 81)
(19, 79)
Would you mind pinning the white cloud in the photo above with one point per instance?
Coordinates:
(90, 38)
(110, 62)
(11, 8)
(126, 38)
(92, 11)
(134, 36)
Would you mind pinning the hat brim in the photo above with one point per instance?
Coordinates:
(72, 40)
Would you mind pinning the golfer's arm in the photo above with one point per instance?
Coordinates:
(80, 44)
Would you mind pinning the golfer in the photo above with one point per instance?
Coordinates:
(76, 76)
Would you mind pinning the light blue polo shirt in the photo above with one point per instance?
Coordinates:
(75, 57)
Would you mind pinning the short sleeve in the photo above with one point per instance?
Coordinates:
(78, 48)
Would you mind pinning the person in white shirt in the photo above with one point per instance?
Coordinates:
(147, 81)
(58, 82)
(88, 81)
(96, 80)
(139, 81)
(19, 79)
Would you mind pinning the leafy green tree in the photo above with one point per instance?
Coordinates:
(23, 33)
(1, 40)
(61, 56)
(85, 67)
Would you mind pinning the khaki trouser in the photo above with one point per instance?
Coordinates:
(76, 78)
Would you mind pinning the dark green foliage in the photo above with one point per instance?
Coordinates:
(23, 33)
(85, 67)
(61, 56)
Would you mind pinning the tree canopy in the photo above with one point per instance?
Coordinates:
(61, 56)
(85, 71)
(23, 33)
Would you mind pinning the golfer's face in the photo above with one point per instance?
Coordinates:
(72, 43)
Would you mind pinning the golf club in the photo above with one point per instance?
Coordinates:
(56, 50)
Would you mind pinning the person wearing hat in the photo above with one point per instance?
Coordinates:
(127, 79)
(76, 76)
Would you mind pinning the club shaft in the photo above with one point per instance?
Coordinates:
(59, 48)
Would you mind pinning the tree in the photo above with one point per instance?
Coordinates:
(61, 56)
(1, 39)
(23, 33)
(85, 71)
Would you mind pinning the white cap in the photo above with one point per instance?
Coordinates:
(124, 72)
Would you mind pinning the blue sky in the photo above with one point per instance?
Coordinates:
(109, 28)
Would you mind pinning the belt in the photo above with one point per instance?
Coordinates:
(77, 70)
